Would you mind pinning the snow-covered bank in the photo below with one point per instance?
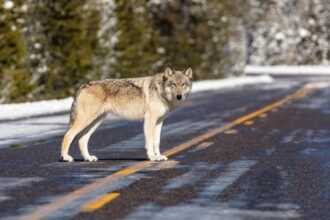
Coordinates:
(287, 70)
(206, 85)
(32, 109)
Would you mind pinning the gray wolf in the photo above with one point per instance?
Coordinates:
(146, 98)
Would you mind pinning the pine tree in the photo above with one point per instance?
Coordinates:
(37, 48)
(136, 53)
(14, 72)
(70, 29)
(289, 32)
(195, 34)
(105, 58)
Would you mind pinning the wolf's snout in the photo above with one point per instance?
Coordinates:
(179, 97)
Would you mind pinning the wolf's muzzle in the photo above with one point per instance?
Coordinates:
(179, 97)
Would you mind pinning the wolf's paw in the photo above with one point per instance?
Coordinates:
(152, 157)
(90, 158)
(158, 158)
(66, 158)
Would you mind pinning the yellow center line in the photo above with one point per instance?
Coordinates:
(126, 171)
(248, 122)
(70, 197)
(99, 202)
(167, 164)
(231, 131)
(204, 145)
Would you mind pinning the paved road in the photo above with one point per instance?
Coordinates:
(257, 152)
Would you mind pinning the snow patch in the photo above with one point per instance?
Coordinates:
(29, 109)
(48, 107)
(229, 83)
(156, 2)
(318, 85)
(288, 70)
(8, 5)
(303, 32)
(279, 36)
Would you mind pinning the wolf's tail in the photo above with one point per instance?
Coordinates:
(73, 112)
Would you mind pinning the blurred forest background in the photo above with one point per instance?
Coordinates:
(48, 47)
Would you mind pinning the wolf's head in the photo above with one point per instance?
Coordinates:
(177, 84)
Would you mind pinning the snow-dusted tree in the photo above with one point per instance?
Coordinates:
(288, 32)
(314, 44)
(38, 51)
(135, 50)
(70, 28)
(105, 57)
(196, 33)
(14, 74)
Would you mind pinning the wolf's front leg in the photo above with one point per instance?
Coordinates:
(157, 142)
(150, 132)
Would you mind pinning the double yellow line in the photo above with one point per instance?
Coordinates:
(65, 200)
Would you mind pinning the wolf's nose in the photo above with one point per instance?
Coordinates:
(179, 97)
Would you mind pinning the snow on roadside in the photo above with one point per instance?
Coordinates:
(318, 85)
(30, 109)
(48, 107)
(229, 83)
(288, 70)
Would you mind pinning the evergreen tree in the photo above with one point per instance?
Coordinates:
(136, 53)
(14, 72)
(289, 32)
(70, 29)
(37, 48)
(105, 58)
(196, 34)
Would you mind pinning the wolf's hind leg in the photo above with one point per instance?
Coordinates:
(83, 141)
(78, 124)
(67, 140)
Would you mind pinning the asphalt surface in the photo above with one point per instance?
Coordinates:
(226, 164)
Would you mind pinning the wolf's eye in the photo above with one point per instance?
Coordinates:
(183, 84)
(173, 84)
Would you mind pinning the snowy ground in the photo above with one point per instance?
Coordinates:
(14, 133)
(287, 70)
(30, 130)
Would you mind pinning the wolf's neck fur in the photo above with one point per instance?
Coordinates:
(157, 85)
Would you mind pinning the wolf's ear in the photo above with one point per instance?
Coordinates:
(188, 72)
(169, 72)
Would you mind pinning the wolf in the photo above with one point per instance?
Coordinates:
(146, 98)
